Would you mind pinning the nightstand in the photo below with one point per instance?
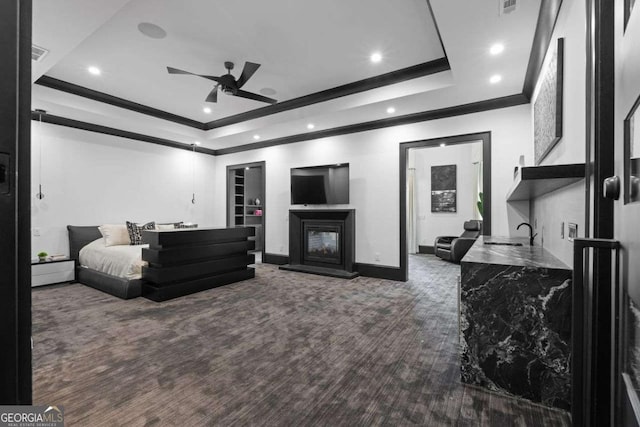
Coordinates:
(49, 272)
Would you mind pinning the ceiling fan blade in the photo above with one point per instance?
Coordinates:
(247, 72)
(172, 70)
(213, 95)
(255, 96)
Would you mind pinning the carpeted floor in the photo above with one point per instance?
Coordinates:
(284, 348)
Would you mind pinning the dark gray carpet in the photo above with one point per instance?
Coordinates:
(284, 348)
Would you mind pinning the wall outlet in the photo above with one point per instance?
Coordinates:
(36, 231)
(562, 230)
(376, 257)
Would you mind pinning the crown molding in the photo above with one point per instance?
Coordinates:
(408, 73)
(547, 18)
(91, 127)
(393, 77)
(441, 113)
(94, 95)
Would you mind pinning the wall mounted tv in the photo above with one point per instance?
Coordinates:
(320, 185)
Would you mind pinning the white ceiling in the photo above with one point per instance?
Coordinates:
(304, 46)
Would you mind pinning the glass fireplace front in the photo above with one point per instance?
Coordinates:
(322, 244)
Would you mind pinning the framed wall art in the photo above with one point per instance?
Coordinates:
(547, 108)
(443, 188)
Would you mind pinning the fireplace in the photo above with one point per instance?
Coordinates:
(322, 242)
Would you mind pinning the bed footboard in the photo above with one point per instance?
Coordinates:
(183, 262)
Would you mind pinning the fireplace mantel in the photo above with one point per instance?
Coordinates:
(333, 228)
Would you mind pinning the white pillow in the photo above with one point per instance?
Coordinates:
(165, 226)
(115, 234)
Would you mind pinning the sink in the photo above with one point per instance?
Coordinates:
(503, 243)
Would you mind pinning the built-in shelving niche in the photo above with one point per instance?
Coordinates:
(245, 188)
(534, 181)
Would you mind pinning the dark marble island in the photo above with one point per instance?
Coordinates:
(515, 321)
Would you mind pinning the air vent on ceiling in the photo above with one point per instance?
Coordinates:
(37, 52)
(507, 6)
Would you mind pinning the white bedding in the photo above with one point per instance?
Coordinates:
(121, 260)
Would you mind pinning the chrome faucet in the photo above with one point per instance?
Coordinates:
(531, 235)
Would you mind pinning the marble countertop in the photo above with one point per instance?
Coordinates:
(525, 255)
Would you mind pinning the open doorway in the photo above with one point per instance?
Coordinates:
(444, 189)
(246, 200)
(427, 209)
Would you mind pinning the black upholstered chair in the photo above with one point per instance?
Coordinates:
(453, 248)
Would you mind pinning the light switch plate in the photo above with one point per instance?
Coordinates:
(562, 230)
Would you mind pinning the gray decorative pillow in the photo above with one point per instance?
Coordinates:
(135, 231)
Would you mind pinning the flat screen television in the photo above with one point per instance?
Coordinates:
(320, 185)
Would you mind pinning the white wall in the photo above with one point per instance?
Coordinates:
(567, 204)
(374, 169)
(433, 224)
(92, 179)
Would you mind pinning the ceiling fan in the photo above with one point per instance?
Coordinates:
(228, 84)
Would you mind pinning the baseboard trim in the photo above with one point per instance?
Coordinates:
(380, 272)
(276, 259)
(426, 250)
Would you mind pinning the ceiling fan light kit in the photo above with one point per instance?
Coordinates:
(228, 83)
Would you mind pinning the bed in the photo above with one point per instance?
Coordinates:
(174, 261)
(126, 287)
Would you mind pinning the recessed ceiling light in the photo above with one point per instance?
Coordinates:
(443, 145)
(495, 79)
(94, 70)
(247, 168)
(496, 49)
(197, 143)
(310, 126)
(376, 57)
(391, 110)
(151, 30)
(256, 136)
(207, 110)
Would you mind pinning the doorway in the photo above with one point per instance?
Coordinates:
(444, 189)
(483, 140)
(246, 200)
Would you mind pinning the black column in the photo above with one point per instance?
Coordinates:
(15, 211)
(598, 391)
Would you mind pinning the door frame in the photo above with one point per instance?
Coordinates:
(597, 379)
(15, 207)
(263, 170)
(485, 138)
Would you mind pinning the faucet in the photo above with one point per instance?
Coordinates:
(531, 235)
